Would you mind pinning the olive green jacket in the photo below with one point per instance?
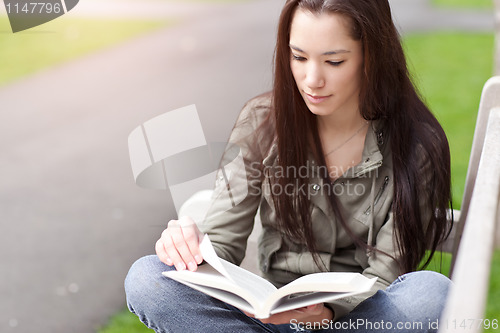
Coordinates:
(365, 192)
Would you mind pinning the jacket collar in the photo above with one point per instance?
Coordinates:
(371, 160)
(371, 157)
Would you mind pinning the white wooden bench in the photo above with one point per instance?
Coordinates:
(478, 225)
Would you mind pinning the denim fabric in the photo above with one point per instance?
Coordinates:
(412, 303)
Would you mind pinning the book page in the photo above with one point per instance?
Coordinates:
(328, 281)
(256, 286)
(209, 255)
(224, 296)
(318, 288)
(291, 303)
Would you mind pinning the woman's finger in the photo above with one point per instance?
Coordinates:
(192, 237)
(161, 253)
(164, 245)
(181, 253)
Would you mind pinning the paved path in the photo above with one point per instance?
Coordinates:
(147, 9)
(419, 15)
(410, 15)
(72, 219)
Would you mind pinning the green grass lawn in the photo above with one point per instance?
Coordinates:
(125, 322)
(450, 70)
(464, 3)
(60, 40)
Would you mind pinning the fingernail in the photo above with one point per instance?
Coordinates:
(169, 262)
(198, 259)
(192, 266)
(180, 266)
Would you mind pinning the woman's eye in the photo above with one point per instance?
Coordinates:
(298, 58)
(335, 63)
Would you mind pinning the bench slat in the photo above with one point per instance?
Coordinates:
(468, 294)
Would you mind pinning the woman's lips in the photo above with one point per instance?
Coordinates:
(316, 99)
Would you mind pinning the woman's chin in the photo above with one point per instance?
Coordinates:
(319, 110)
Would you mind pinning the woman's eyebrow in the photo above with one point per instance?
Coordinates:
(298, 49)
(336, 52)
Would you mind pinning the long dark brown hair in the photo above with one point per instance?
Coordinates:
(386, 93)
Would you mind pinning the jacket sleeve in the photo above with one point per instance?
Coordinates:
(236, 197)
(382, 266)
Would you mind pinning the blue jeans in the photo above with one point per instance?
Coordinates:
(413, 303)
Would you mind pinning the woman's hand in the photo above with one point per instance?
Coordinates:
(311, 313)
(179, 244)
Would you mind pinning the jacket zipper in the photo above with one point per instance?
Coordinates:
(379, 195)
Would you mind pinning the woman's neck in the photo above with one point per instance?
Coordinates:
(340, 124)
(342, 141)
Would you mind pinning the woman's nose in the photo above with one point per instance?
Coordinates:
(314, 76)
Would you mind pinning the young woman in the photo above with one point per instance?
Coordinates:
(350, 170)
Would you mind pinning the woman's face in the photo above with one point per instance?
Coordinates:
(326, 63)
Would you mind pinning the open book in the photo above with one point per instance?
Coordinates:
(253, 294)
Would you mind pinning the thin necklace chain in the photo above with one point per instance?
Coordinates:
(346, 141)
